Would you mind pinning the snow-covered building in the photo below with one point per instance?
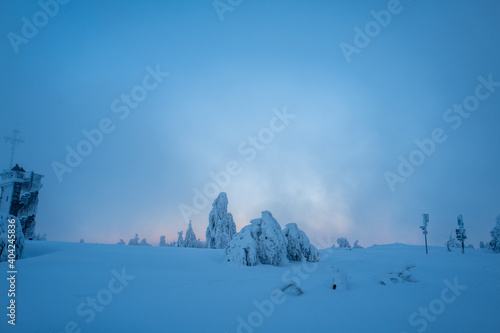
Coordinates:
(19, 196)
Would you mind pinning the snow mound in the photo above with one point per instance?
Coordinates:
(299, 247)
(399, 276)
(260, 242)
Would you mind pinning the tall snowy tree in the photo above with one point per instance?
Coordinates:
(190, 240)
(260, 242)
(162, 241)
(221, 227)
(299, 248)
(495, 236)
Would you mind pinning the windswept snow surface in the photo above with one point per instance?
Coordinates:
(165, 289)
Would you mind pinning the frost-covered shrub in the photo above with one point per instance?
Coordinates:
(260, 242)
(481, 245)
(343, 243)
(451, 243)
(121, 242)
(495, 237)
(180, 240)
(356, 246)
(4, 238)
(299, 248)
(82, 240)
(221, 227)
(144, 242)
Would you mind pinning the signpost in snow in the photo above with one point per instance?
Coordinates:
(424, 229)
(461, 236)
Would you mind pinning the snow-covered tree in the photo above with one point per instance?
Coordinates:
(495, 236)
(260, 242)
(451, 243)
(5, 241)
(144, 242)
(82, 241)
(190, 240)
(481, 245)
(343, 243)
(299, 248)
(121, 242)
(134, 241)
(180, 240)
(221, 227)
(162, 241)
(356, 246)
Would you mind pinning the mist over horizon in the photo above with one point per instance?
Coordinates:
(351, 120)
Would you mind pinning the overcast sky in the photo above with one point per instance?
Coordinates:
(295, 109)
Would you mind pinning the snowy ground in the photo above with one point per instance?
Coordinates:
(153, 289)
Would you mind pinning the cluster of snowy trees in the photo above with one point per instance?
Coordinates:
(5, 240)
(135, 241)
(494, 244)
(264, 242)
(189, 241)
(343, 243)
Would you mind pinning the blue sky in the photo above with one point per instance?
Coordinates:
(324, 171)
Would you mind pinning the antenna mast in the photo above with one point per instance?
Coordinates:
(14, 140)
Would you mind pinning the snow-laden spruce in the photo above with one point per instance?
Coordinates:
(221, 227)
(299, 248)
(260, 242)
(4, 237)
(190, 240)
(495, 237)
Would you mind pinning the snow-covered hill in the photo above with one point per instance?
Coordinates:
(64, 287)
